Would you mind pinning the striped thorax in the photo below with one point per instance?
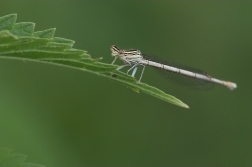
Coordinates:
(127, 56)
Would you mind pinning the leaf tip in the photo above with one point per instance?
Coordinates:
(185, 106)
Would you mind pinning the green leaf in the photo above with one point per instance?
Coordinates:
(136, 86)
(4, 152)
(23, 29)
(14, 160)
(6, 37)
(19, 41)
(6, 22)
(46, 33)
(63, 41)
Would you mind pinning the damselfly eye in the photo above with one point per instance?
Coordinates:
(115, 48)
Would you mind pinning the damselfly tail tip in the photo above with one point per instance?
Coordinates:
(231, 85)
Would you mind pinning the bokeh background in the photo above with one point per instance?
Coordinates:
(64, 117)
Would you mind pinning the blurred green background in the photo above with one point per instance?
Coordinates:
(64, 117)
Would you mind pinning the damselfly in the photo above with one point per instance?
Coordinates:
(188, 76)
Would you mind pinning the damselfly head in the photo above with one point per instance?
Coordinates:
(114, 50)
